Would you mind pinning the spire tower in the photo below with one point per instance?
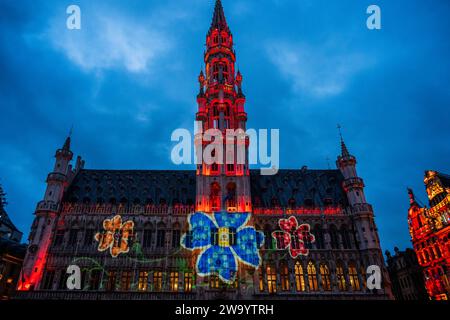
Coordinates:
(223, 183)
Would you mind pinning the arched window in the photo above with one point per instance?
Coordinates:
(231, 196)
(271, 279)
(147, 236)
(267, 237)
(299, 277)
(325, 275)
(285, 285)
(353, 277)
(214, 282)
(345, 237)
(318, 234)
(214, 197)
(334, 237)
(340, 277)
(312, 277)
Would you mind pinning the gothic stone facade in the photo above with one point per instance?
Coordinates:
(154, 209)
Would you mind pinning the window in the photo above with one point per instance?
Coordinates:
(89, 237)
(48, 280)
(214, 282)
(214, 236)
(175, 238)
(125, 281)
(143, 281)
(59, 237)
(271, 279)
(353, 277)
(318, 234)
(157, 280)
(334, 237)
(174, 281)
(285, 285)
(147, 238)
(268, 244)
(112, 279)
(94, 280)
(189, 239)
(340, 277)
(160, 239)
(299, 277)
(261, 281)
(214, 197)
(188, 281)
(73, 237)
(232, 236)
(312, 277)
(325, 275)
(345, 238)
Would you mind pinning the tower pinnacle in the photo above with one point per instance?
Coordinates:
(344, 150)
(219, 21)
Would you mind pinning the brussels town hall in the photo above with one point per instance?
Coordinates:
(220, 231)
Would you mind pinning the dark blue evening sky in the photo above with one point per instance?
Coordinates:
(128, 78)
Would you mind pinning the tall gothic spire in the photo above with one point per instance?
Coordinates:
(218, 20)
(344, 150)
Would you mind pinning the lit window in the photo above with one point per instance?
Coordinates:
(143, 281)
(312, 277)
(285, 285)
(353, 277)
(341, 278)
(125, 281)
(174, 281)
(188, 281)
(111, 284)
(325, 275)
(271, 279)
(214, 282)
(261, 281)
(157, 280)
(299, 277)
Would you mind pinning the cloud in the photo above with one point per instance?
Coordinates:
(110, 41)
(321, 71)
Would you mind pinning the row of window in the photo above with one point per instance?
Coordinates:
(113, 280)
(88, 240)
(273, 280)
(338, 238)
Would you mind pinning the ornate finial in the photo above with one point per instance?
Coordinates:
(344, 150)
(66, 146)
(219, 20)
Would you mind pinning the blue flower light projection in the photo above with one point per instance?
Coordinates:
(224, 240)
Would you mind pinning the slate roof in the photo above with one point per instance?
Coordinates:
(133, 186)
(445, 179)
(316, 188)
(12, 248)
(6, 221)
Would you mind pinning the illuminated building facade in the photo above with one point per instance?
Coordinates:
(429, 229)
(220, 231)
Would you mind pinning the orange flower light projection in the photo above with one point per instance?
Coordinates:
(115, 236)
